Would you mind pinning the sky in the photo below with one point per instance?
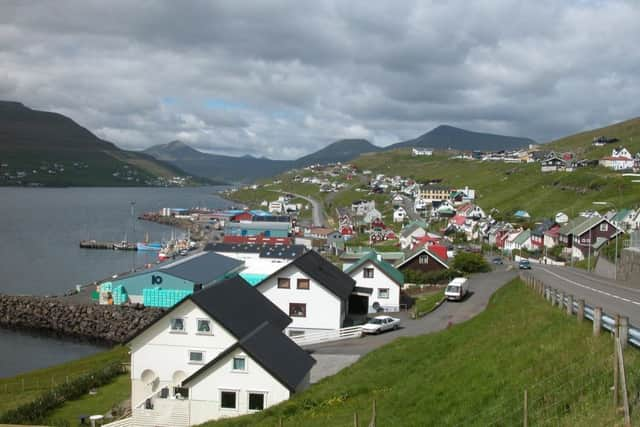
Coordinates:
(285, 78)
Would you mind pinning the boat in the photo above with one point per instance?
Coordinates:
(163, 256)
(150, 246)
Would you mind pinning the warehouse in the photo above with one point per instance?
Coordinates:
(166, 285)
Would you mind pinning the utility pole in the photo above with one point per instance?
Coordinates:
(133, 224)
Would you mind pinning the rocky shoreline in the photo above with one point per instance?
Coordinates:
(104, 324)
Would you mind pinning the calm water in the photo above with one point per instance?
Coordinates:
(39, 254)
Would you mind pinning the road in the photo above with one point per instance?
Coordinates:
(481, 287)
(612, 296)
(318, 213)
(408, 205)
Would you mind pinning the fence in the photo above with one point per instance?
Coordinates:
(327, 336)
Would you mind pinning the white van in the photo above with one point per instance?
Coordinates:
(457, 289)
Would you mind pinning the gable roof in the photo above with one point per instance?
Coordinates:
(235, 304)
(587, 225)
(410, 228)
(274, 351)
(522, 237)
(323, 272)
(202, 268)
(571, 225)
(386, 268)
(417, 252)
(263, 251)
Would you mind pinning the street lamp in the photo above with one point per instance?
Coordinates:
(615, 271)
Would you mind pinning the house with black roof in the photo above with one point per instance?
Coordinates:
(312, 291)
(220, 352)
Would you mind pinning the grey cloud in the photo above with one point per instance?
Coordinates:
(298, 75)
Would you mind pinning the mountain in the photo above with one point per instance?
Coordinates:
(46, 148)
(444, 137)
(248, 168)
(343, 150)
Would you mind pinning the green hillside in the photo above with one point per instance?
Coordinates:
(472, 374)
(628, 132)
(509, 187)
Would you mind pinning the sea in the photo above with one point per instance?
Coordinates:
(40, 231)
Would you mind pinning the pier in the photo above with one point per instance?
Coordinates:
(95, 244)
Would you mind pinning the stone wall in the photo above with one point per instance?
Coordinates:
(99, 323)
(629, 266)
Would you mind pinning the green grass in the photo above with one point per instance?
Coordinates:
(106, 398)
(36, 382)
(473, 373)
(427, 303)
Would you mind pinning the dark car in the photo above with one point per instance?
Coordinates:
(497, 260)
(524, 265)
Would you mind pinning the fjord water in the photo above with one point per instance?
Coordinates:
(40, 229)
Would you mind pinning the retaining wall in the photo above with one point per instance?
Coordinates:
(629, 266)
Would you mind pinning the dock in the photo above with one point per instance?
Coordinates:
(96, 244)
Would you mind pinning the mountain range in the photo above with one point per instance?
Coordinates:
(46, 148)
(249, 168)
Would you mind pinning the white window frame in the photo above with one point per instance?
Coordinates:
(239, 356)
(264, 394)
(368, 269)
(198, 332)
(604, 227)
(227, 390)
(424, 257)
(380, 293)
(195, 362)
(178, 331)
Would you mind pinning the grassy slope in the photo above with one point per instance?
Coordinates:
(472, 374)
(36, 382)
(509, 187)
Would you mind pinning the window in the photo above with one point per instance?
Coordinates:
(296, 333)
(182, 391)
(196, 357)
(303, 283)
(297, 310)
(239, 364)
(424, 259)
(604, 227)
(284, 283)
(204, 326)
(228, 399)
(177, 324)
(383, 293)
(256, 401)
(368, 273)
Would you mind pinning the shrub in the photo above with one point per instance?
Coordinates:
(468, 262)
(37, 410)
(432, 277)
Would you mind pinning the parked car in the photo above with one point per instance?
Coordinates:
(497, 260)
(524, 264)
(380, 324)
(457, 289)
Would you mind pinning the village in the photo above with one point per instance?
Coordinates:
(280, 279)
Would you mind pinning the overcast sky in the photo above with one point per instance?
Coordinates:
(285, 78)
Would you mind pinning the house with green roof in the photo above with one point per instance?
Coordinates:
(378, 285)
(583, 236)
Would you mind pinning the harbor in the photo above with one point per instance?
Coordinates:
(119, 246)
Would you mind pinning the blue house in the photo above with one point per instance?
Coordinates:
(168, 284)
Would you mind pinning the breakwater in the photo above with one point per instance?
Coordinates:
(106, 324)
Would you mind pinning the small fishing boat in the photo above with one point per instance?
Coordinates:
(148, 246)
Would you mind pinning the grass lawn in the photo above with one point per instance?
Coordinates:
(428, 302)
(107, 397)
(36, 382)
(473, 373)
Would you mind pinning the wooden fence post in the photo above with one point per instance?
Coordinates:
(580, 310)
(525, 420)
(561, 300)
(570, 305)
(615, 372)
(623, 330)
(623, 384)
(597, 320)
(373, 417)
(355, 419)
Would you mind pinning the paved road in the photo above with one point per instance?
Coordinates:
(408, 205)
(612, 296)
(318, 213)
(481, 287)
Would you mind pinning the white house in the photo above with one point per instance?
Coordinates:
(399, 215)
(218, 353)
(561, 218)
(421, 152)
(620, 159)
(276, 207)
(413, 230)
(371, 216)
(313, 291)
(378, 284)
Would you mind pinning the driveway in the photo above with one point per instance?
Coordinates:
(332, 357)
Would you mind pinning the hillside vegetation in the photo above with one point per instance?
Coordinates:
(473, 373)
